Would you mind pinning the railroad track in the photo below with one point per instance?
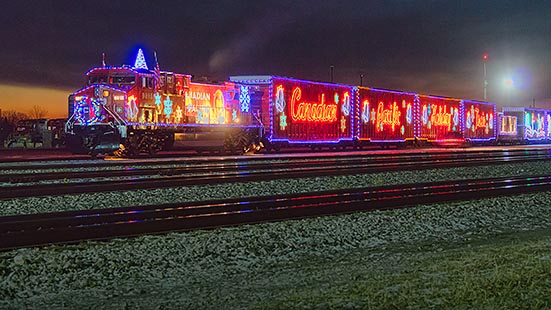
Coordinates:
(74, 226)
(240, 172)
(131, 163)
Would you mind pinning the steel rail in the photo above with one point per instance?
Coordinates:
(236, 166)
(74, 226)
(40, 165)
(55, 189)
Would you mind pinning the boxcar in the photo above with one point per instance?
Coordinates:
(439, 117)
(386, 116)
(531, 125)
(297, 112)
(479, 121)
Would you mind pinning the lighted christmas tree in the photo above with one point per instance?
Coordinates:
(140, 61)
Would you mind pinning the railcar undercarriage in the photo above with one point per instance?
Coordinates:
(102, 139)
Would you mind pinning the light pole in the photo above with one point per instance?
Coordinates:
(361, 79)
(484, 60)
(331, 68)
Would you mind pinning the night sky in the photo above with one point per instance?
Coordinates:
(432, 47)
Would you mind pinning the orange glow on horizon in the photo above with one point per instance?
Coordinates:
(23, 98)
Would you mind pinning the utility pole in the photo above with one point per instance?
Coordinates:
(331, 68)
(362, 79)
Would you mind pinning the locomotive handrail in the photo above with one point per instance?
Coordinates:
(68, 124)
(118, 119)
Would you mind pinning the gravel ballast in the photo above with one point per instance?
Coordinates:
(236, 190)
(318, 262)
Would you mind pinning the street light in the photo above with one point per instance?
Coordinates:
(484, 60)
(509, 83)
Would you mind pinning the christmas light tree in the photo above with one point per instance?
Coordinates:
(140, 61)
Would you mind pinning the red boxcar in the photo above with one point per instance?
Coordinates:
(480, 121)
(386, 115)
(439, 118)
(297, 111)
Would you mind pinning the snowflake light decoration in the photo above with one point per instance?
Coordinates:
(167, 107)
(244, 99)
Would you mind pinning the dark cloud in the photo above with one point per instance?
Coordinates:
(416, 45)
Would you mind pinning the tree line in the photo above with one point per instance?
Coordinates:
(9, 119)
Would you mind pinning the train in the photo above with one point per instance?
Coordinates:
(130, 110)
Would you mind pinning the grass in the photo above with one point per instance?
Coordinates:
(501, 275)
(487, 254)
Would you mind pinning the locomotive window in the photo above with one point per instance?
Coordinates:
(122, 79)
(147, 82)
(97, 79)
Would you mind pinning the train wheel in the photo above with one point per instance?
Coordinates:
(120, 151)
(238, 143)
(89, 142)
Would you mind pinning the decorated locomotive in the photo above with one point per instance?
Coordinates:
(130, 110)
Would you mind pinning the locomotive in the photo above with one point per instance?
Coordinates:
(130, 110)
(133, 110)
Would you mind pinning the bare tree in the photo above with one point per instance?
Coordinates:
(13, 117)
(8, 123)
(37, 112)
